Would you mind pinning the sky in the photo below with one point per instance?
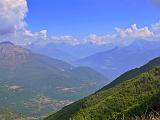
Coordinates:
(79, 21)
(82, 17)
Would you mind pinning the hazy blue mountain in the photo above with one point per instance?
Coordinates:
(114, 62)
(35, 84)
(68, 52)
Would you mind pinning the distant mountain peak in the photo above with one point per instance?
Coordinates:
(11, 55)
(6, 43)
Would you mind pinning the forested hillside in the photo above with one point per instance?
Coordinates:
(135, 96)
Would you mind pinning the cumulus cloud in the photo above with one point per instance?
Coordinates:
(127, 34)
(42, 35)
(106, 39)
(66, 39)
(134, 32)
(12, 14)
(28, 37)
(156, 27)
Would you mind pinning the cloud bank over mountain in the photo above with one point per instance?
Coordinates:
(14, 28)
(12, 14)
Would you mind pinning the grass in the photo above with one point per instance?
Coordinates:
(151, 116)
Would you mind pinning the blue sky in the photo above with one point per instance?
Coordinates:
(82, 17)
(78, 21)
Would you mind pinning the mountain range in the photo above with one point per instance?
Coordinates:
(120, 59)
(34, 84)
(68, 52)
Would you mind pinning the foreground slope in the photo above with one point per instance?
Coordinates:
(33, 84)
(124, 100)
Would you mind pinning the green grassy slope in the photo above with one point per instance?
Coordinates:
(123, 101)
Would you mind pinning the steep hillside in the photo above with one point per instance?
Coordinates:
(114, 62)
(134, 97)
(10, 56)
(33, 82)
(133, 73)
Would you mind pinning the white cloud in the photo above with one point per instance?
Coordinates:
(156, 27)
(134, 32)
(42, 35)
(106, 39)
(64, 39)
(122, 35)
(12, 14)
